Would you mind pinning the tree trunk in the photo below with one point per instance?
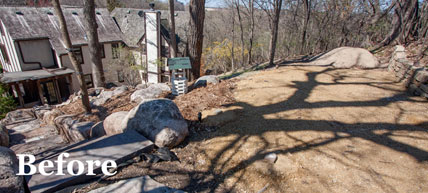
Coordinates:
(91, 26)
(274, 31)
(404, 23)
(173, 46)
(232, 54)
(76, 65)
(305, 25)
(250, 47)
(196, 34)
(242, 32)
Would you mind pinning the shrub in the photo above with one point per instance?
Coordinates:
(7, 103)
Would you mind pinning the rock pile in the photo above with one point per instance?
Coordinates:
(415, 78)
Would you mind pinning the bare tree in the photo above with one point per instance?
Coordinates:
(73, 59)
(307, 4)
(251, 13)
(172, 32)
(273, 11)
(241, 27)
(196, 36)
(404, 23)
(91, 27)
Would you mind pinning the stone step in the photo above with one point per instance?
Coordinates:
(136, 185)
(120, 148)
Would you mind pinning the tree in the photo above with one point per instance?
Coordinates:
(172, 30)
(7, 103)
(91, 27)
(111, 4)
(73, 59)
(404, 23)
(307, 4)
(196, 34)
(272, 8)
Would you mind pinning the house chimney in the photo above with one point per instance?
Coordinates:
(153, 45)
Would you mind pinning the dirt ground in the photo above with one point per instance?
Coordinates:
(334, 130)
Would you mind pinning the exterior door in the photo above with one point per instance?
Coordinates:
(49, 92)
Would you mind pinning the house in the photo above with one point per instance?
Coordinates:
(146, 34)
(34, 58)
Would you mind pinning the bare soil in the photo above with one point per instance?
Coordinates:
(334, 130)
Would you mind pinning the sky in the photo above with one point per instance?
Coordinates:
(210, 3)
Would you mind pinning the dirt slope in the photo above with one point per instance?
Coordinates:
(334, 130)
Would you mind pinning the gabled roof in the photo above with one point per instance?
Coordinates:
(34, 23)
(132, 25)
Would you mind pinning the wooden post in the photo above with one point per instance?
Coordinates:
(18, 91)
(39, 88)
(70, 81)
(58, 93)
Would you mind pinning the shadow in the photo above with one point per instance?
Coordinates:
(379, 133)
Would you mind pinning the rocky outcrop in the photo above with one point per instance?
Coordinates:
(50, 116)
(112, 124)
(414, 77)
(71, 130)
(205, 80)
(9, 181)
(159, 120)
(344, 57)
(19, 116)
(151, 92)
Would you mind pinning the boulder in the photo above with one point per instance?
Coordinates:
(120, 90)
(159, 120)
(50, 116)
(9, 181)
(106, 94)
(112, 124)
(18, 116)
(81, 131)
(344, 57)
(40, 111)
(97, 130)
(71, 130)
(140, 86)
(4, 136)
(151, 92)
(204, 80)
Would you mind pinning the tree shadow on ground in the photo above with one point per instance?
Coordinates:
(212, 180)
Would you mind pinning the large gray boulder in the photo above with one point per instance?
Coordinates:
(19, 116)
(4, 136)
(151, 92)
(344, 57)
(205, 80)
(112, 124)
(72, 130)
(9, 181)
(119, 90)
(159, 120)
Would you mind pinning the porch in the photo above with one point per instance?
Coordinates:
(46, 86)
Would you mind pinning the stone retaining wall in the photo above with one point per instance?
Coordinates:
(414, 78)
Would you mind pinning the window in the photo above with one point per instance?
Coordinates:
(115, 50)
(103, 54)
(78, 53)
(4, 53)
(120, 76)
(88, 80)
